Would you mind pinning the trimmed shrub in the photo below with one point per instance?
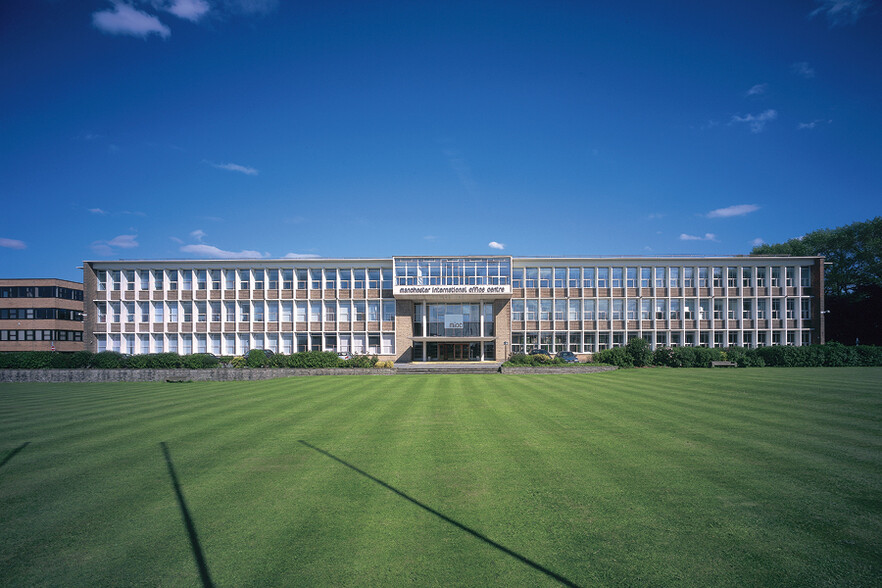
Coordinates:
(520, 359)
(360, 361)
(618, 356)
(641, 354)
(237, 362)
(107, 360)
(256, 359)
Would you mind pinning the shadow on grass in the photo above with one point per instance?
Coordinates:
(13, 453)
(188, 521)
(458, 525)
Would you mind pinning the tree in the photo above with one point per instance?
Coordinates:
(854, 252)
(852, 280)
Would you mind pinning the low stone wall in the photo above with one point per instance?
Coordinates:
(180, 375)
(553, 369)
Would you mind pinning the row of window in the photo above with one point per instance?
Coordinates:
(591, 342)
(462, 271)
(62, 314)
(661, 277)
(300, 311)
(39, 335)
(590, 309)
(238, 344)
(40, 292)
(247, 279)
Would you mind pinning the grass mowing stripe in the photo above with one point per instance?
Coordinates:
(447, 519)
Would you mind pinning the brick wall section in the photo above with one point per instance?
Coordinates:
(42, 324)
(403, 331)
(502, 322)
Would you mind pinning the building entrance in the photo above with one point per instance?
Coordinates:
(458, 352)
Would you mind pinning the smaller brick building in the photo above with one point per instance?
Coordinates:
(41, 314)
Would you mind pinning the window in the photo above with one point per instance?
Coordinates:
(718, 277)
(330, 312)
(532, 307)
(315, 279)
(603, 310)
(618, 309)
(776, 277)
(746, 277)
(688, 277)
(789, 274)
(732, 277)
(387, 279)
(258, 279)
(230, 309)
(345, 279)
(100, 276)
(806, 309)
(144, 278)
(287, 312)
(258, 311)
(373, 308)
(617, 277)
(560, 310)
(545, 310)
(805, 277)
(172, 312)
(201, 280)
(760, 277)
(517, 309)
(761, 308)
(359, 310)
(588, 277)
(172, 280)
(747, 309)
(130, 279)
(517, 277)
(288, 279)
(201, 312)
(603, 277)
(187, 279)
(689, 310)
(345, 312)
(719, 309)
(659, 277)
(244, 280)
(272, 312)
(560, 277)
(631, 276)
(675, 310)
(645, 277)
(545, 277)
(791, 309)
(674, 275)
(145, 312)
(588, 309)
(387, 344)
(389, 311)
(575, 277)
(315, 312)
(575, 310)
(358, 279)
(702, 277)
(646, 309)
(215, 279)
(230, 279)
(273, 279)
(300, 316)
(660, 310)
(244, 311)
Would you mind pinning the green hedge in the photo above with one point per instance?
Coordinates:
(520, 359)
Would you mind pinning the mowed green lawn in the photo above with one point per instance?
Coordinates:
(748, 477)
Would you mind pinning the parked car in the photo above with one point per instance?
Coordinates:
(539, 351)
(344, 355)
(568, 357)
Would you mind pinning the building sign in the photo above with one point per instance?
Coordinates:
(452, 321)
(486, 291)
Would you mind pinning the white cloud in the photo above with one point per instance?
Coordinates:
(124, 19)
(191, 10)
(811, 125)
(495, 245)
(758, 89)
(757, 242)
(97, 211)
(119, 242)
(707, 237)
(803, 69)
(840, 12)
(236, 167)
(124, 241)
(737, 210)
(301, 256)
(212, 251)
(757, 122)
(198, 234)
(12, 243)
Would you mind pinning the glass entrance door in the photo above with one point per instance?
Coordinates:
(459, 351)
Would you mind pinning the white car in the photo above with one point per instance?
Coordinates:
(343, 355)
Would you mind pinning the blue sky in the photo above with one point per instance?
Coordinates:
(215, 128)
